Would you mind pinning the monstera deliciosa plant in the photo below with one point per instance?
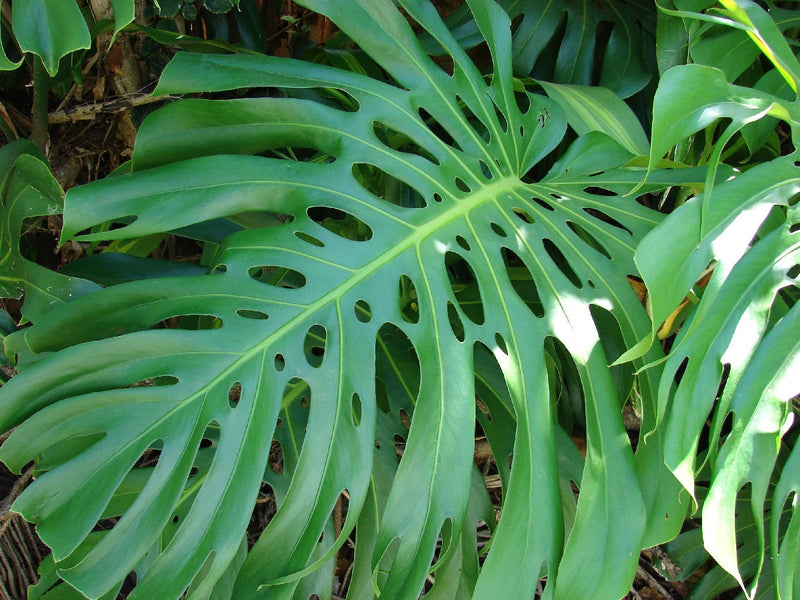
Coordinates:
(389, 261)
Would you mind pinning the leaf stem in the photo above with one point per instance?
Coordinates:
(41, 89)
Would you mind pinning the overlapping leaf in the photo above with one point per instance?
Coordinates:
(735, 359)
(28, 191)
(294, 315)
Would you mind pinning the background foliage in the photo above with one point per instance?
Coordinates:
(430, 254)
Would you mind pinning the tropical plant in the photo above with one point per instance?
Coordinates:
(400, 247)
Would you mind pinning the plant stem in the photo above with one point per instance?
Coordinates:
(41, 89)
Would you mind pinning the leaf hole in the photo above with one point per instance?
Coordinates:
(193, 472)
(601, 216)
(381, 397)
(309, 239)
(437, 197)
(793, 271)
(363, 311)
(281, 277)
(462, 185)
(191, 322)
(175, 519)
(680, 371)
(280, 362)
(314, 345)
(252, 314)
(275, 459)
(399, 446)
(234, 394)
(588, 238)
(501, 118)
(456, 325)
(462, 242)
(794, 228)
(498, 230)
(206, 443)
(560, 261)
(522, 281)
(543, 204)
(409, 307)
(598, 191)
(501, 343)
(465, 287)
(340, 223)
(523, 215)
(405, 419)
(355, 409)
(485, 170)
(523, 101)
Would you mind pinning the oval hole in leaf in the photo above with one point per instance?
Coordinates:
(485, 170)
(560, 261)
(501, 343)
(462, 185)
(363, 311)
(498, 230)
(309, 239)
(278, 276)
(314, 345)
(234, 394)
(252, 314)
(191, 322)
(523, 215)
(275, 459)
(501, 118)
(355, 409)
(409, 308)
(601, 216)
(465, 287)
(280, 363)
(455, 322)
(340, 223)
(405, 419)
(543, 204)
(462, 242)
(437, 197)
(598, 191)
(588, 238)
(522, 281)
(399, 446)
(523, 101)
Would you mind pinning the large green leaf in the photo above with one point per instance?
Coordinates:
(430, 209)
